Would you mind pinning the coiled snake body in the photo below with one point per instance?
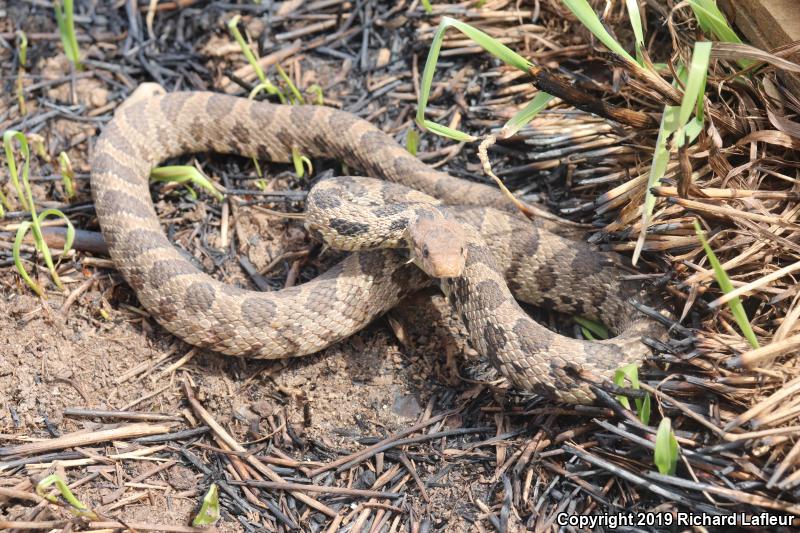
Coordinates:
(502, 251)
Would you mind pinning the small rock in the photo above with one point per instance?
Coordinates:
(406, 405)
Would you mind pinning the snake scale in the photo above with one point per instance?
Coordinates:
(504, 253)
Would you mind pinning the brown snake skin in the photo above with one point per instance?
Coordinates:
(540, 267)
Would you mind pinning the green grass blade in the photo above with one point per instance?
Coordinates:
(298, 98)
(233, 27)
(69, 239)
(22, 46)
(584, 12)
(15, 252)
(67, 174)
(724, 282)
(300, 163)
(712, 21)
(483, 40)
(66, 28)
(676, 119)
(412, 140)
(631, 372)
(665, 455)
(598, 330)
(636, 24)
(526, 114)
(8, 138)
(184, 174)
(692, 100)
(34, 225)
(657, 170)
(644, 410)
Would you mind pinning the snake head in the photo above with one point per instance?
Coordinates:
(438, 246)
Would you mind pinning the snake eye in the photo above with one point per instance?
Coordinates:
(425, 252)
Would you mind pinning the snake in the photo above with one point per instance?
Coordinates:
(404, 224)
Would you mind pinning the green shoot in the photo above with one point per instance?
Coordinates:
(295, 97)
(584, 12)
(426, 5)
(675, 124)
(22, 47)
(592, 330)
(316, 90)
(412, 140)
(666, 453)
(486, 42)
(15, 251)
(209, 510)
(185, 175)
(264, 84)
(66, 27)
(642, 405)
(735, 304)
(8, 137)
(712, 21)
(300, 163)
(525, 115)
(67, 175)
(75, 505)
(636, 25)
(34, 224)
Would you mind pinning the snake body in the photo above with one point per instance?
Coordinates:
(504, 253)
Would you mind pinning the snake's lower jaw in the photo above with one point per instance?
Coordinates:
(448, 272)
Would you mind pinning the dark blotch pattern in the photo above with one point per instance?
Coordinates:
(587, 262)
(390, 209)
(478, 254)
(139, 241)
(241, 135)
(163, 271)
(219, 106)
(165, 310)
(172, 106)
(260, 310)
(460, 288)
(532, 338)
(114, 202)
(526, 246)
(118, 138)
(199, 296)
(372, 143)
(341, 122)
(104, 163)
(398, 224)
(546, 277)
(348, 228)
(372, 263)
(326, 199)
(496, 341)
(489, 294)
